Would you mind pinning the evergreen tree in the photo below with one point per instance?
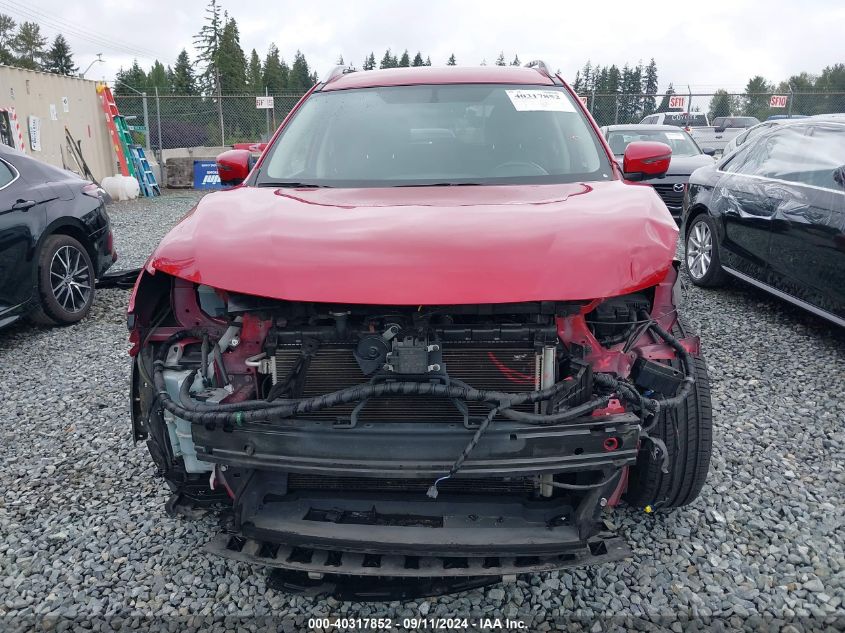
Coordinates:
(183, 75)
(649, 87)
(7, 35)
(254, 78)
(405, 60)
(516, 61)
(428, 61)
(500, 60)
(757, 95)
(418, 60)
(207, 43)
(231, 60)
(452, 61)
(664, 103)
(135, 78)
(59, 59)
(340, 60)
(157, 78)
(29, 45)
(720, 105)
(275, 71)
(370, 62)
(389, 60)
(299, 79)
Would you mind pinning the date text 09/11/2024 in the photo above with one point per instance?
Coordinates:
(413, 624)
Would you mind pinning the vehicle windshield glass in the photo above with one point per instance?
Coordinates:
(735, 122)
(685, 119)
(436, 135)
(679, 141)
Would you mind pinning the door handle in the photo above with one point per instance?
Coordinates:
(23, 205)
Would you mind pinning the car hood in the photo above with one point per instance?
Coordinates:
(425, 245)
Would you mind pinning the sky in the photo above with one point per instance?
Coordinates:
(704, 45)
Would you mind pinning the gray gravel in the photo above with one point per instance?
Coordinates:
(83, 532)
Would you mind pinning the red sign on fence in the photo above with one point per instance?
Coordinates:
(778, 101)
(677, 102)
(583, 100)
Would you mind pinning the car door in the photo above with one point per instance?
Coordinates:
(807, 248)
(22, 217)
(746, 203)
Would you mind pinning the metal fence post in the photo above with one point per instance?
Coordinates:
(158, 125)
(789, 104)
(146, 123)
(593, 102)
(267, 112)
(616, 114)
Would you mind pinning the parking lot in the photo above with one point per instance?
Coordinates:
(83, 531)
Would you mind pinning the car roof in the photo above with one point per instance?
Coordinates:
(426, 75)
(646, 127)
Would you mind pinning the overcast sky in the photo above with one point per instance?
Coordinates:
(698, 43)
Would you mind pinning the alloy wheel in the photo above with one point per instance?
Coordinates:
(699, 250)
(70, 279)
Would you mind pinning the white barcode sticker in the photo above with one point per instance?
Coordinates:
(540, 100)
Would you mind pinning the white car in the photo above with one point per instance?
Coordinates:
(685, 120)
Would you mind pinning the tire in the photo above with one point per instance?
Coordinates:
(689, 453)
(701, 253)
(65, 282)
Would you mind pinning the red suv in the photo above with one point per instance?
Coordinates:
(431, 332)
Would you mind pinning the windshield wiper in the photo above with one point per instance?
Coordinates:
(290, 184)
(442, 184)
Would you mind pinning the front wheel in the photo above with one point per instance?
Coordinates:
(701, 253)
(65, 282)
(687, 432)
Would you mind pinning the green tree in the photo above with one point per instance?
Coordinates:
(275, 71)
(207, 44)
(135, 78)
(516, 61)
(369, 62)
(405, 60)
(254, 78)
(7, 36)
(59, 59)
(299, 79)
(418, 60)
(452, 61)
(340, 60)
(428, 61)
(389, 60)
(157, 78)
(500, 60)
(184, 82)
(231, 59)
(29, 45)
(649, 87)
(720, 105)
(664, 103)
(757, 95)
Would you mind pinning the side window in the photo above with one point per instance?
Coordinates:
(823, 154)
(772, 155)
(7, 174)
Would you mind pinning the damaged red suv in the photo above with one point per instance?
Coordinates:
(433, 332)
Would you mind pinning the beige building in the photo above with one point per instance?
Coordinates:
(44, 105)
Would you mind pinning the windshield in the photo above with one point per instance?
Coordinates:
(679, 141)
(436, 135)
(685, 119)
(735, 121)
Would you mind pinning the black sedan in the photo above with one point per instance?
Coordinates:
(773, 214)
(55, 241)
(687, 156)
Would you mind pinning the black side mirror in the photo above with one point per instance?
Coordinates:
(709, 151)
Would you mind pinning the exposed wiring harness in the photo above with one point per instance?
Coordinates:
(501, 403)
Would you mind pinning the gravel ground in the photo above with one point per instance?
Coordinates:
(83, 532)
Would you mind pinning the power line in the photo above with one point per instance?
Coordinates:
(64, 26)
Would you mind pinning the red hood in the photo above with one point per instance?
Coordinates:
(432, 245)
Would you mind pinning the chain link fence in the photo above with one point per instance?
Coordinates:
(171, 121)
(611, 109)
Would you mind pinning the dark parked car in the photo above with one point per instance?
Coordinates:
(432, 333)
(687, 156)
(55, 241)
(773, 214)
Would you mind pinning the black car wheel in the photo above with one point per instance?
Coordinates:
(701, 253)
(65, 281)
(687, 432)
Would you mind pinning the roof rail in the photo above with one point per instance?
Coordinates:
(540, 66)
(339, 71)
